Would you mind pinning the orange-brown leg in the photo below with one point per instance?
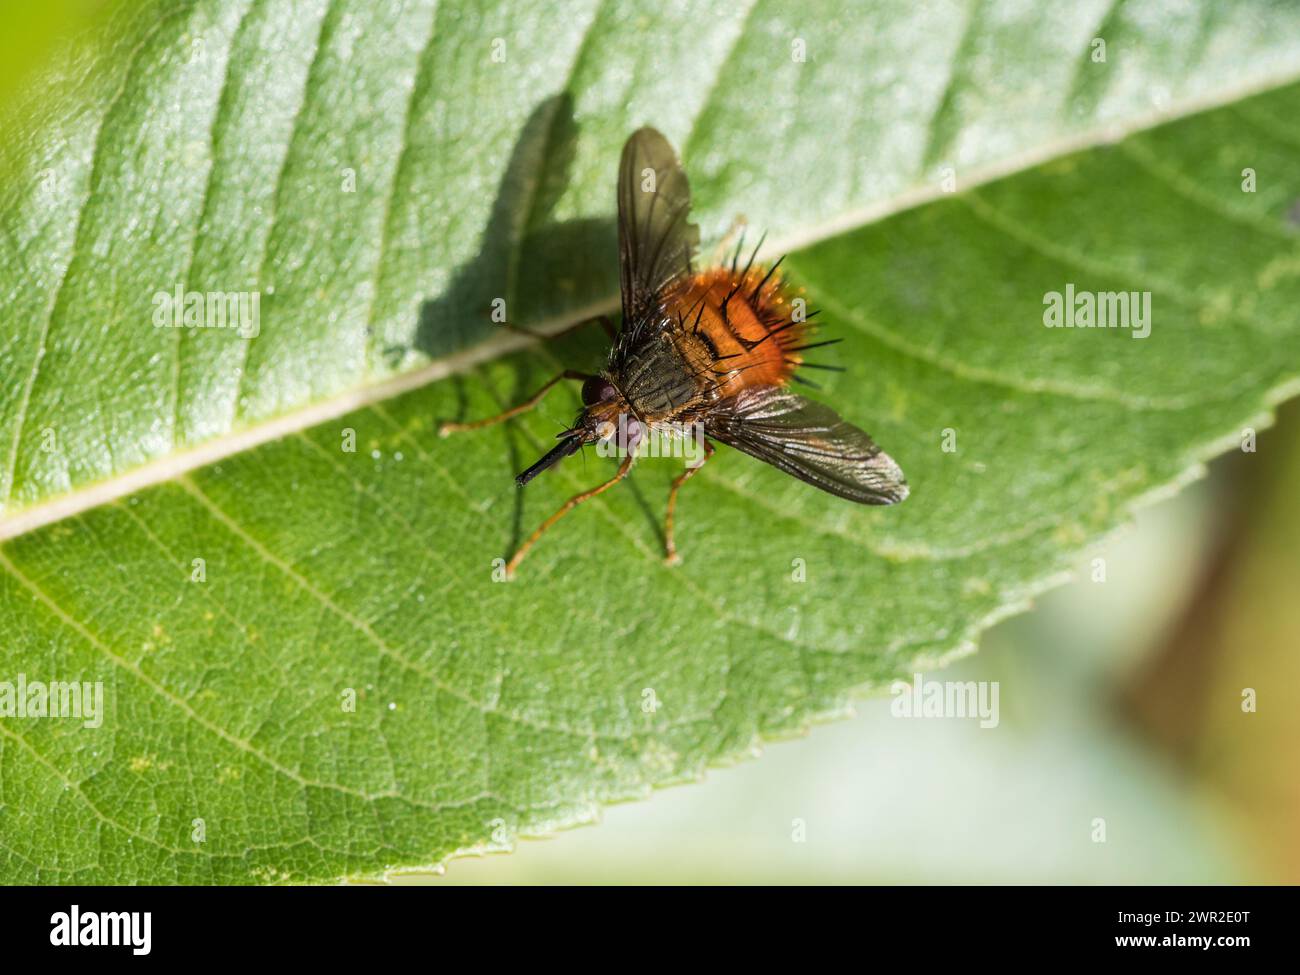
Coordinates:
(523, 407)
(564, 509)
(670, 548)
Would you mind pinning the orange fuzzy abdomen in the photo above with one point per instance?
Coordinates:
(749, 336)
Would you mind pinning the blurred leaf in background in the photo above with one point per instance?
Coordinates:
(1222, 694)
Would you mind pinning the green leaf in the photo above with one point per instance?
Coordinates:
(379, 178)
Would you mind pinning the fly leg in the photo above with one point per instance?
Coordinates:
(523, 407)
(564, 509)
(604, 321)
(670, 548)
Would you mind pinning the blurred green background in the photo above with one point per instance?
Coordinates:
(33, 32)
(1120, 700)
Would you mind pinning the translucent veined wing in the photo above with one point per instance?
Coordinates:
(809, 441)
(656, 243)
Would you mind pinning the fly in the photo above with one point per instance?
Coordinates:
(713, 350)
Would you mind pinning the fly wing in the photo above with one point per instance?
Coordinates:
(656, 243)
(809, 441)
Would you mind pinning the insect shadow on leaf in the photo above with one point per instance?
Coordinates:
(539, 267)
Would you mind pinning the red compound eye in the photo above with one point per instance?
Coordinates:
(596, 389)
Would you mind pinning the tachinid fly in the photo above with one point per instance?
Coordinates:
(715, 349)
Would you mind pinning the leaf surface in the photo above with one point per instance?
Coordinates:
(379, 179)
